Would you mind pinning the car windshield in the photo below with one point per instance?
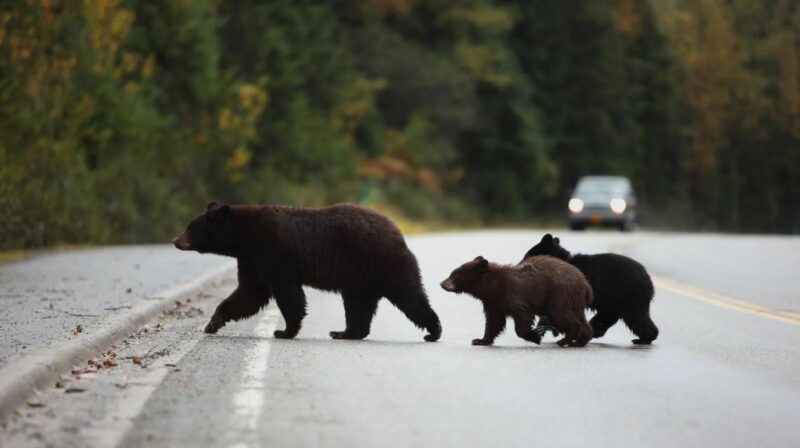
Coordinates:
(606, 186)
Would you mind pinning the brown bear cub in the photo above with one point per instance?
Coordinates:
(543, 286)
(344, 248)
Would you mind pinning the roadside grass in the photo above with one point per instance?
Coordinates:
(16, 255)
(11, 256)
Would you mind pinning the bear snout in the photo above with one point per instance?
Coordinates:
(182, 242)
(448, 285)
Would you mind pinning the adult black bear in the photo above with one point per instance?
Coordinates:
(343, 248)
(622, 289)
(540, 285)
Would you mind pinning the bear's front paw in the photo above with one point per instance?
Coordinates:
(346, 335)
(214, 324)
(481, 342)
(283, 334)
(641, 342)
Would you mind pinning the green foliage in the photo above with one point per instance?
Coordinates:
(120, 119)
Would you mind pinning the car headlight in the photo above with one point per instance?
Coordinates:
(618, 205)
(575, 205)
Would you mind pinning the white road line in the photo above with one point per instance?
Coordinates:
(249, 398)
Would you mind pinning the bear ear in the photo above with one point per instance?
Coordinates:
(483, 263)
(479, 258)
(547, 238)
(220, 212)
(212, 205)
(557, 241)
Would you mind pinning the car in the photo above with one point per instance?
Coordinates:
(602, 200)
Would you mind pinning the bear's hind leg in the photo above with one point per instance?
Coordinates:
(641, 325)
(359, 309)
(576, 333)
(413, 302)
(292, 302)
(583, 336)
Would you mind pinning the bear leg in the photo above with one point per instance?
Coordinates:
(642, 326)
(523, 325)
(583, 336)
(241, 304)
(359, 309)
(495, 324)
(292, 303)
(415, 305)
(577, 331)
(544, 326)
(602, 321)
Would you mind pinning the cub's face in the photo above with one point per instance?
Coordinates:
(548, 246)
(209, 232)
(465, 276)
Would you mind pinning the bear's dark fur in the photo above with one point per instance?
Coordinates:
(622, 289)
(542, 286)
(343, 248)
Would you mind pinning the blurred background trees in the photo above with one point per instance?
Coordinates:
(120, 119)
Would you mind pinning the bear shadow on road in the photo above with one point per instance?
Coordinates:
(388, 343)
(302, 340)
(553, 346)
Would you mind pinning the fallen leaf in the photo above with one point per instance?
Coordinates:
(109, 363)
(137, 360)
(128, 291)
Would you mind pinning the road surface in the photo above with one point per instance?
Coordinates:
(725, 370)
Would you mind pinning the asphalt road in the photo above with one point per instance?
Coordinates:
(719, 375)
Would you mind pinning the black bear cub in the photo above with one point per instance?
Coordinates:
(541, 286)
(344, 248)
(622, 289)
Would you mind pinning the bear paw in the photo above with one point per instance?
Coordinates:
(283, 334)
(481, 342)
(214, 324)
(642, 341)
(435, 333)
(345, 335)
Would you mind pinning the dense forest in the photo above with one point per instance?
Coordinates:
(120, 119)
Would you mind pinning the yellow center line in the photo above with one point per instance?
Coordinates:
(724, 301)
